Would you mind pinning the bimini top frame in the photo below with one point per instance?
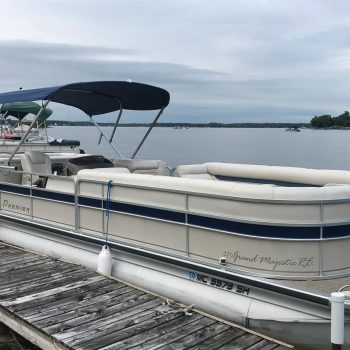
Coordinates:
(95, 98)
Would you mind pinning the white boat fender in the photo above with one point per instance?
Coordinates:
(104, 264)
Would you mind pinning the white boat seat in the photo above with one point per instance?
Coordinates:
(35, 162)
(264, 174)
(141, 166)
(194, 171)
(104, 171)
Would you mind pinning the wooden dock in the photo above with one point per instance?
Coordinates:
(58, 305)
(9, 340)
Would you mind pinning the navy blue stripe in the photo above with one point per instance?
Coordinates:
(336, 231)
(149, 212)
(248, 229)
(254, 229)
(153, 213)
(90, 202)
(56, 196)
(196, 220)
(15, 189)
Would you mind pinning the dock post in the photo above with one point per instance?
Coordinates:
(337, 320)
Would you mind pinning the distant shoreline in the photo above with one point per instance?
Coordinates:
(183, 125)
(50, 123)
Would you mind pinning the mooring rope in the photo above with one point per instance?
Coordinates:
(108, 204)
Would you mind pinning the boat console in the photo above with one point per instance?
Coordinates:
(74, 165)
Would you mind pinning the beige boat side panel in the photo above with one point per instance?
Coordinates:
(58, 212)
(91, 219)
(10, 177)
(255, 211)
(136, 195)
(143, 231)
(60, 185)
(336, 255)
(15, 204)
(259, 255)
(91, 189)
(336, 212)
(150, 197)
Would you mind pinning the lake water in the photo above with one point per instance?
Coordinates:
(327, 149)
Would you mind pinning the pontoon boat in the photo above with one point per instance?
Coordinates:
(35, 138)
(263, 246)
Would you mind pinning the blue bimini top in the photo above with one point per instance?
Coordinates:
(98, 97)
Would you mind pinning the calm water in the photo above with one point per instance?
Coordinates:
(328, 149)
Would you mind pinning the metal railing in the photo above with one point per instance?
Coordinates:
(74, 189)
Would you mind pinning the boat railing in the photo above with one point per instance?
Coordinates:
(68, 200)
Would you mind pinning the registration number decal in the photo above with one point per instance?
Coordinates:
(218, 283)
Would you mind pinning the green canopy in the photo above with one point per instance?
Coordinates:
(20, 109)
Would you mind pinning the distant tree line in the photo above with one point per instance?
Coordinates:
(181, 125)
(327, 121)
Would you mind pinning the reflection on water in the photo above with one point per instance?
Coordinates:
(328, 149)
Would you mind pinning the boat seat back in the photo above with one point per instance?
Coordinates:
(141, 166)
(264, 174)
(34, 162)
(194, 171)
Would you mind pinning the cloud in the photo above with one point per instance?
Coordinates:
(228, 60)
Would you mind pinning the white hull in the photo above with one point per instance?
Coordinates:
(281, 316)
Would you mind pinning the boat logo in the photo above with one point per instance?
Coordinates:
(12, 206)
(275, 263)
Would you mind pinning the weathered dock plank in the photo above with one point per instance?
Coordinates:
(37, 284)
(57, 305)
(163, 335)
(218, 341)
(41, 308)
(80, 316)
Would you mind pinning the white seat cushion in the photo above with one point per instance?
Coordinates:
(34, 162)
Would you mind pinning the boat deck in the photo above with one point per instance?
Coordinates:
(59, 305)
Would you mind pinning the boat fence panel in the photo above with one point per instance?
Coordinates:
(336, 212)
(280, 238)
(53, 207)
(256, 211)
(137, 215)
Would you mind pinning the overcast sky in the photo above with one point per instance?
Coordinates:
(221, 60)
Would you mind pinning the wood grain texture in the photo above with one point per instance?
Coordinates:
(65, 306)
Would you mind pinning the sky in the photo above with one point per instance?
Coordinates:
(221, 60)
